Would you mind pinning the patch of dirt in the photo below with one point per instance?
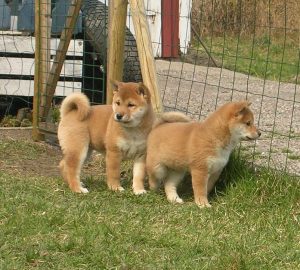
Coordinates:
(39, 158)
(15, 134)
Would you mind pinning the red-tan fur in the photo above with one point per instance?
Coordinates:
(84, 128)
(201, 148)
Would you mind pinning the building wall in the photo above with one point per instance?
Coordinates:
(153, 13)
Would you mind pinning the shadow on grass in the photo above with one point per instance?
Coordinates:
(94, 183)
(236, 170)
(98, 182)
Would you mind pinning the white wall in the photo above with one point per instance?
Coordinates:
(185, 7)
(153, 13)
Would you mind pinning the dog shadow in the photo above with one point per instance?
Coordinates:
(185, 189)
(97, 179)
(235, 171)
(94, 183)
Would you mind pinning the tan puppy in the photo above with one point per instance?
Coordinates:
(202, 148)
(119, 130)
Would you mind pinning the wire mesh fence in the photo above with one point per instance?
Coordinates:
(84, 65)
(207, 53)
(243, 50)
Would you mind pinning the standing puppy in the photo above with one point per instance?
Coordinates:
(119, 130)
(202, 148)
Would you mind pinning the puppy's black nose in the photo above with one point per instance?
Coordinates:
(119, 116)
(259, 133)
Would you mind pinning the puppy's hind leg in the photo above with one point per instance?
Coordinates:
(71, 166)
(156, 174)
(171, 183)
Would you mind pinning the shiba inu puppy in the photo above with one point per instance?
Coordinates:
(201, 148)
(120, 131)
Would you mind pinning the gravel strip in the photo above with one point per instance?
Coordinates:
(198, 90)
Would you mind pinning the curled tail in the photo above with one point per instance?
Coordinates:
(78, 102)
(171, 117)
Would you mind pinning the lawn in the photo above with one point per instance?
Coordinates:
(254, 223)
(263, 57)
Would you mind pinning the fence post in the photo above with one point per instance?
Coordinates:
(45, 46)
(116, 41)
(61, 52)
(145, 51)
(36, 135)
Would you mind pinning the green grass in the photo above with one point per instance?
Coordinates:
(287, 151)
(294, 157)
(263, 57)
(254, 223)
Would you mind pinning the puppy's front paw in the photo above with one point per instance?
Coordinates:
(178, 200)
(204, 205)
(175, 199)
(78, 188)
(139, 191)
(83, 190)
(202, 202)
(116, 188)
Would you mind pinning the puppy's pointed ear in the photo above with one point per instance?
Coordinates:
(143, 91)
(116, 85)
(242, 107)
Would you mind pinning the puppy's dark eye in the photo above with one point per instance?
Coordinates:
(131, 105)
(118, 103)
(248, 123)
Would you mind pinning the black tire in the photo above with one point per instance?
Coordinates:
(95, 18)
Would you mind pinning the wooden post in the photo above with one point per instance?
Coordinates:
(145, 51)
(36, 135)
(116, 41)
(60, 56)
(45, 47)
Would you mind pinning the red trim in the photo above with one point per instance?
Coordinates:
(170, 28)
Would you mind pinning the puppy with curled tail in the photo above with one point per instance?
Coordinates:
(119, 131)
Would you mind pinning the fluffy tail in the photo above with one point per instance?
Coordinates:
(171, 117)
(78, 102)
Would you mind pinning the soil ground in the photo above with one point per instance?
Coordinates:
(45, 160)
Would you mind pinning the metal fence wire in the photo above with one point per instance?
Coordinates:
(207, 52)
